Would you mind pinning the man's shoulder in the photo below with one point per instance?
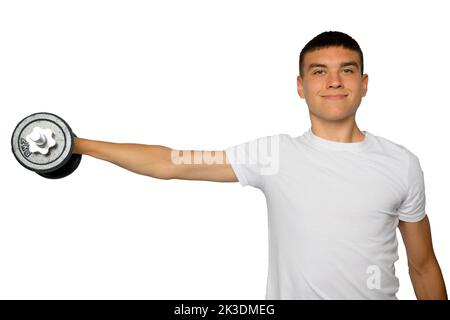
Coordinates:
(389, 146)
(273, 138)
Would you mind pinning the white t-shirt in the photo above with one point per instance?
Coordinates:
(333, 209)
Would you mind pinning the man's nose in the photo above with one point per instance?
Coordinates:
(334, 81)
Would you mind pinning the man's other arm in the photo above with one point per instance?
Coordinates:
(424, 270)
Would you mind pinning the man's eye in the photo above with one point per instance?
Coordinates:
(318, 72)
(348, 70)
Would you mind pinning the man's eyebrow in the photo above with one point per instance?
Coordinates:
(343, 64)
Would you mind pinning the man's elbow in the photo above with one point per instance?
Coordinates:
(423, 267)
(162, 172)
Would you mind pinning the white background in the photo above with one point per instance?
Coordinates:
(201, 75)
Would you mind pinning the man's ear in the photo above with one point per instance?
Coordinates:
(365, 83)
(300, 87)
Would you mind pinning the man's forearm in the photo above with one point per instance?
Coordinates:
(149, 160)
(429, 283)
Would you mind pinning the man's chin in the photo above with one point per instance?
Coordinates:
(333, 115)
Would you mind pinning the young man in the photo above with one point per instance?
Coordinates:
(335, 194)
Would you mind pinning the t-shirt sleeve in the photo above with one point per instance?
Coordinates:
(412, 208)
(253, 160)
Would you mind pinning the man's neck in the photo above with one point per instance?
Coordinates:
(345, 131)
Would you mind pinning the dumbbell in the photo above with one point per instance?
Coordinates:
(43, 142)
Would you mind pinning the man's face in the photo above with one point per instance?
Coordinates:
(332, 83)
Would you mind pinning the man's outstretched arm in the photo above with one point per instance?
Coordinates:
(159, 161)
(424, 270)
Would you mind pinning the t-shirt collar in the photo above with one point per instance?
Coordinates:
(334, 145)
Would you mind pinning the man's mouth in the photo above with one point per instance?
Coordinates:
(335, 97)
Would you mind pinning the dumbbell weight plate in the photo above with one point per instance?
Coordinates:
(69, 167)
(58, 155)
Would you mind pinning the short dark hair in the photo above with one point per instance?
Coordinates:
(330, 39)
